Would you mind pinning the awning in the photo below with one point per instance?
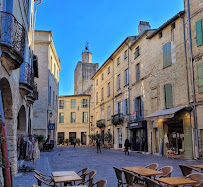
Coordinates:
(167, 113)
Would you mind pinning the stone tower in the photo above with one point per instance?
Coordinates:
(84, 71)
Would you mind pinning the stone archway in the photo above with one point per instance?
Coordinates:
(21, 121)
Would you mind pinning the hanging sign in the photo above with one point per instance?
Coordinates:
(51, 126)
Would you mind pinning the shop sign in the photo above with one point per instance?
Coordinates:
(134, 124)
(51, 126)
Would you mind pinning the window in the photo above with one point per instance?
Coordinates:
(96, 97)
(126, 77)
(137, 72)
(168, 96)
(160, 35)
(102, 76)
(118, 108)
(61, 104)
(167, 55)
(109, 89)
(97, 82)
(102, 94)
(200, 77)
(49, 96)
(53, 98)
(118, 61)
(137, 52)
(84, 103)
(72, 117)
(102, 113)
(173, 25)
(109, 113)
(84, 117)
(54, 70)
(109, 70)
(125, 54)
(56, 101)
(51, 63)
(199, 39)
(119, 82)
(138, 106)
(73, 103)
(61, 117)
(125, 107)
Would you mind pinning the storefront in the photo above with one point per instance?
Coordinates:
(174, 132)
(138, 136)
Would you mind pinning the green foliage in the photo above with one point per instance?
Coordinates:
(40, 138)
(78, 140)
(66, 140)
(108, 137)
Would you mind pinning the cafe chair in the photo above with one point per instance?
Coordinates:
(186, 170)
(44, 177)
(167, 170)
(119, 176)
(151, 183)
(41, 181)
(196, 177)
(89, 181)
(131, 178)
(82, 173)
(100, 183)
(153, 166)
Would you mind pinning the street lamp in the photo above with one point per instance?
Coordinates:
(50, 115)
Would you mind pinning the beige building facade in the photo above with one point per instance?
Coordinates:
(46, 108)
(74, 119)
(18, 71)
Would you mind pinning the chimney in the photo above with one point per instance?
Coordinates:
(143, 26)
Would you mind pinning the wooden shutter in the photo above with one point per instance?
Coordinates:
(199, 32)
(116, 108)
(167, 55)
(142, 106)
(200, 77)
(135, 105)
(124, 107)
(168, 96)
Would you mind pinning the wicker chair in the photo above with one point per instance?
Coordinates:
(151, 183)
(196, 177)
(82, 173)
(100, 183)
(131, 178)
(153, 166)
(41, 181)
(89, 181)
(119, 177)
(167, 170)
(186, 170)
(46, 178)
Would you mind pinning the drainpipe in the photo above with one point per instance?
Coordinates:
(193, 86)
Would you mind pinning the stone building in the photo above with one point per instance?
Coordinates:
(45, 110)
(83, 73)
(18, 70)
(74, 119)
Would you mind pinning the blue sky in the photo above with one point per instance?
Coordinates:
(103, 23)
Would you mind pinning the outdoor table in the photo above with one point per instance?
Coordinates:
(143, 171)
(62, 173)
(175, 181)
(197, 166)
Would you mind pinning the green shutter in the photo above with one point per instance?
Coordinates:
(200, 77)
(167, 55)
(168, 96)
(199, 32)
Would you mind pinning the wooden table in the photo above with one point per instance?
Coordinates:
(197, 166)
(175, 181)
(143, 171)
(62, 173)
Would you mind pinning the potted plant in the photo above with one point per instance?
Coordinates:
(108, 138)
(78, 141)
(41, 140)
(66, 141)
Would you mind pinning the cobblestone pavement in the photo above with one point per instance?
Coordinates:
(69, 158)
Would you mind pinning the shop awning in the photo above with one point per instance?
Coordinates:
(167, 113)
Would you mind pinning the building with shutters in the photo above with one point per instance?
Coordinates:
(74, 119)
(45, 110)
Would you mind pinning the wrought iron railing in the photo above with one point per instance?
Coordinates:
(135, 116)
(117, 119)
(101, 123)
(26, 74)
(12, 33)
(34, 93)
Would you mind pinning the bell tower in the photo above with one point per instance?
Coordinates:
(87, 55)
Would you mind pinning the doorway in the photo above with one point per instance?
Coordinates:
(83, 138)
(120, 137)
(60, 137)
(71, 136)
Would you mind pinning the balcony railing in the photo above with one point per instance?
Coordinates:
(26, 74)
(12, 33)
(34, 94)
(136, 116)
(117, 119)
(101, 123)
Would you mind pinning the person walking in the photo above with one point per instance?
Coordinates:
(74, 142)
(98, 142)
(127, 145)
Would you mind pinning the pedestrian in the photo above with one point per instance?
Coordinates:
(74, 142)
(98, 142)
(127, 145)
